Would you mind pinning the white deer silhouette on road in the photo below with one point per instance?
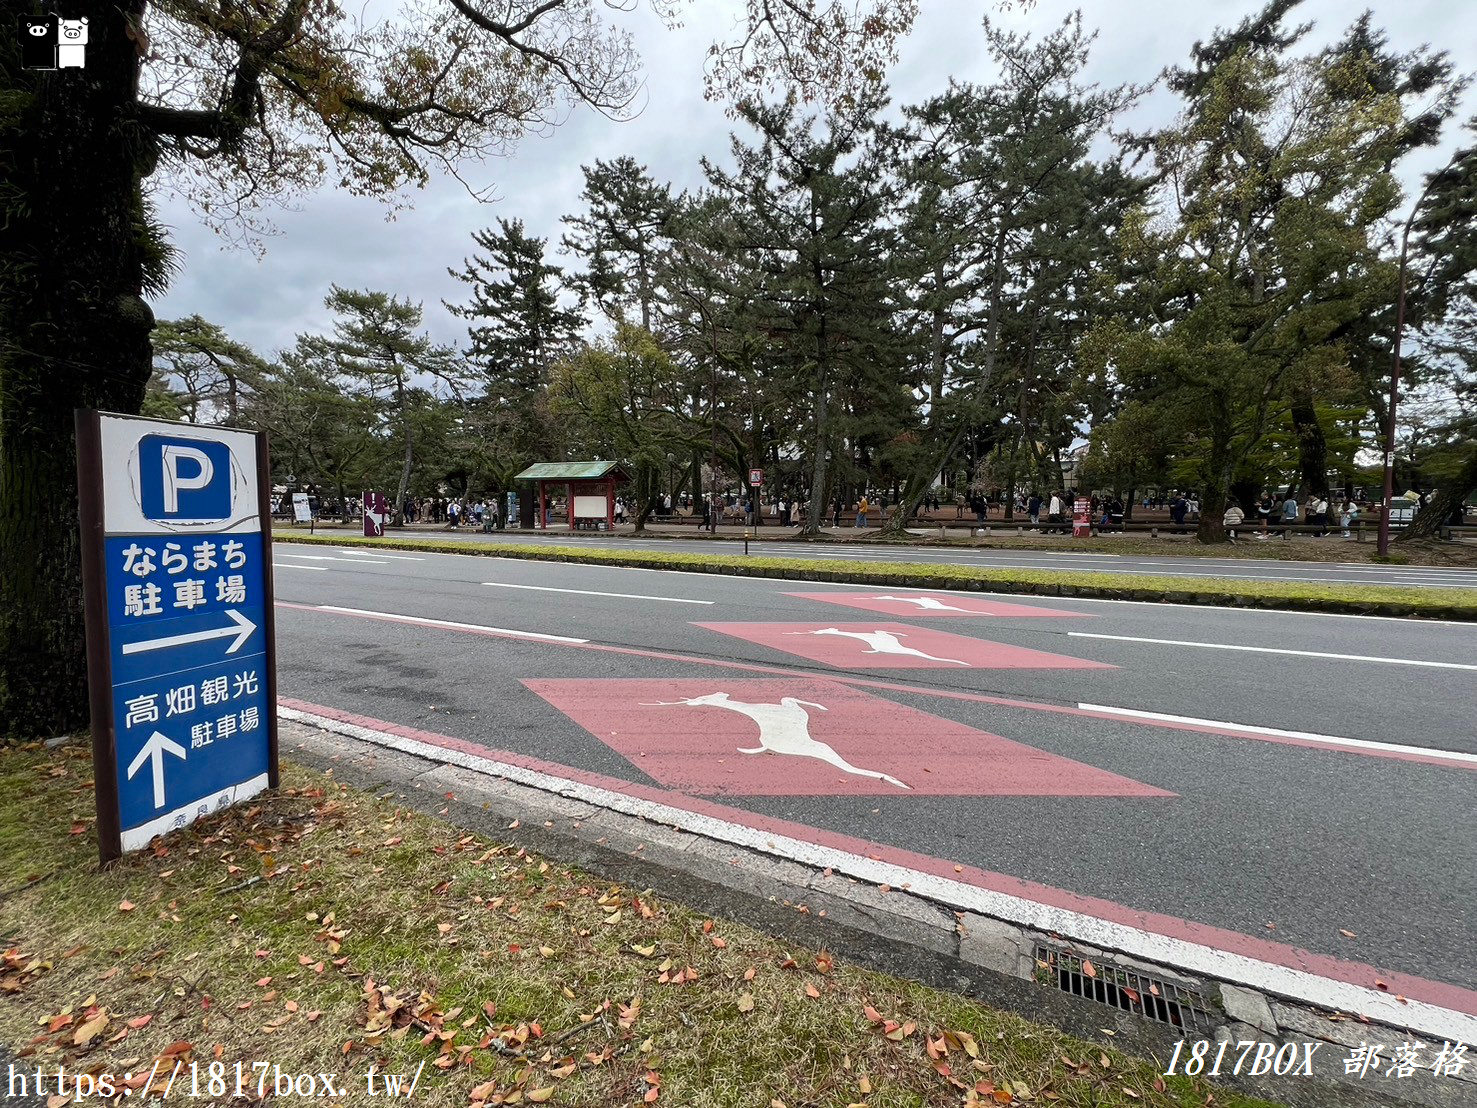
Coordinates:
(881, 642)
(784, 728)
(927, 603)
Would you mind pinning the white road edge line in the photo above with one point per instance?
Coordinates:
(1276, 650)
(1307, 736)
(592, 592)
(289, 565)
(379, 554)
(425, 621)
(1323, 992)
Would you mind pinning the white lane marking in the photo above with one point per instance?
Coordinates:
(423, 621)
(1322, 992)
(289, 565)
(381, 554)
(1307, 736)
(1276, 650)
(683, 572)
(1251, 611)
(592, 592)
(327, 558)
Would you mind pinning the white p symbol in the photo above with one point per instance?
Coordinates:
(170, 458)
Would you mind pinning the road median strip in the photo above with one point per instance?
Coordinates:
(1385, 600)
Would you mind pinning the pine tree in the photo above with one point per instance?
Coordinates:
(376, 347)
(216, 375)
(1006, 222)
(518, 330)
(810, 201)
(1262, 248)
(518, 327)
(620, 237)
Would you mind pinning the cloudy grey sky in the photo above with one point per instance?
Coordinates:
(336, 239)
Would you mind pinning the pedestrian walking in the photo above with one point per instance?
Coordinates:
(861, 511)
(1177, 512)
(1318, 514)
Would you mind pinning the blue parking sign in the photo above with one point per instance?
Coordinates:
(181, 658)
(184, 478)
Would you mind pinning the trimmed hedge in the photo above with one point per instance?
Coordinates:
(1384, 600)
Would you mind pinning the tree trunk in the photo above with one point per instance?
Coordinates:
(645, 497)
(1312, 447)
(1217, 481)
(1015, 443)
(74, 332)
(1430, 519)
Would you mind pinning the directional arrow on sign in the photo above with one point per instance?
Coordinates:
(242, 630)
(153, 750)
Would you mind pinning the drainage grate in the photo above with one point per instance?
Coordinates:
(1152, 997)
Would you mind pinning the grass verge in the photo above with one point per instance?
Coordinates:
(324, 929)
(1388, 600)
(1434, 554)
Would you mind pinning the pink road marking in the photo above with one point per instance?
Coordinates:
(898, 686)
(1439, 993)
(894, 646)
(695, 748)
(951, 605)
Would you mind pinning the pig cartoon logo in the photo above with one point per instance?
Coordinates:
(71, 50)
(38, 34)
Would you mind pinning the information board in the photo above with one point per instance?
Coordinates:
(177, 574)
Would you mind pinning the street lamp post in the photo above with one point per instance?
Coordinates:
(1431, 181)
(1384, 540)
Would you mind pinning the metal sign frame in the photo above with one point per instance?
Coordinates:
(95, 607)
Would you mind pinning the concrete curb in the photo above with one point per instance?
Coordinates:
(898, 931)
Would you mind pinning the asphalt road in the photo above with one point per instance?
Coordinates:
(1344, 825)
(1236, 569)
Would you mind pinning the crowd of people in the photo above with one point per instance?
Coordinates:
(1270, 516)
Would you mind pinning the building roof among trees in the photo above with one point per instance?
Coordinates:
(571, 471)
